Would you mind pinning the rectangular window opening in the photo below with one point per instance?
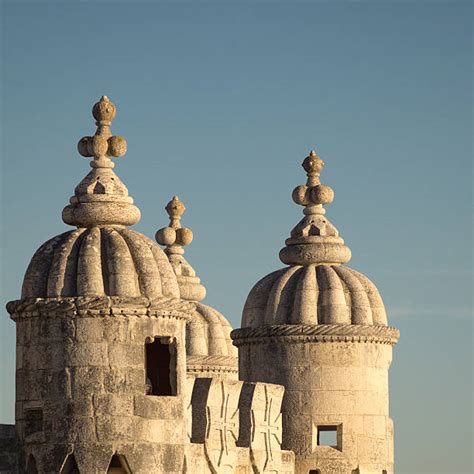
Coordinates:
(160, 365)
(327, 436)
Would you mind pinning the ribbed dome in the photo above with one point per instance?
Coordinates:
(100, 261)
(314, 294)
(208, 333)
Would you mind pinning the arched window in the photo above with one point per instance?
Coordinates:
(70, 465)
(118, 465)
(31, 465)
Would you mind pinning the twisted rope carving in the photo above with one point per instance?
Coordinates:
(317, 333)
(212, 360)
(100, 306)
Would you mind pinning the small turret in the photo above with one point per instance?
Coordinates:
(209, 348)
(101, 365)
(319, 329)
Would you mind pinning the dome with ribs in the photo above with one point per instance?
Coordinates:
(100, 261)
(314, 294)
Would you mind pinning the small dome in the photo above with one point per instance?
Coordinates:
(316, 288)
(208, 333)
(314, 294)
(100, 261)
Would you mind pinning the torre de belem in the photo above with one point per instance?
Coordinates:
(120, 368)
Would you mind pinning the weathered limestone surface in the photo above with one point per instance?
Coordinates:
(122, 369)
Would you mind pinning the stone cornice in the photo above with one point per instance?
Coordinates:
(84, 306)
(210, 363)
(288, 333)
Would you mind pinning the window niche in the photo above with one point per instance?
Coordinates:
(330, 436)
(160, 366)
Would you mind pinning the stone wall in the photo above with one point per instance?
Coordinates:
(9, 450)
(81, 388)
(341, 387)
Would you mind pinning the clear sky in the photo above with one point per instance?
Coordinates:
(220, 102)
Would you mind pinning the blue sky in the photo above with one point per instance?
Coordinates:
(220, 102)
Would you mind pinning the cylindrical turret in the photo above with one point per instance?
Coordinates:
(101, 361)
(209, 348)
(320, 329)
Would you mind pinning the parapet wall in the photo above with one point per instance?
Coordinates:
(235, 427)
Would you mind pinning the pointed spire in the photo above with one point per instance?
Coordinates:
(101, 198)
(175, 237)
(314, 240)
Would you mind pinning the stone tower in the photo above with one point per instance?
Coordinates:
(101, 362)
(209, 348)
(319, 329)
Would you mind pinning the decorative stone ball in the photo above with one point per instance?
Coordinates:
(98, 146)
(83, 146)
(313, 163)
(166, 236)
(104, 110)
(184, 236)
(322, 194)
(117, 146)
(301, 195)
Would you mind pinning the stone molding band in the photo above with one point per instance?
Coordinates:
(210, 363)
(84, 306)
(316, 333)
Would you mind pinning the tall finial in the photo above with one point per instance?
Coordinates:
(101, 198)
(314, 240)
(175, 237)
(103, 145)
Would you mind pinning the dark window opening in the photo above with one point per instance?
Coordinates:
(31, 465)
(315, 471)
(118, 465)
(33, 421)
(70, 466)
(160, 360)
(327, 436)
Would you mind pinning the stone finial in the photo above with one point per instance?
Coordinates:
(314, 240)
(174, 238)
(101, 198)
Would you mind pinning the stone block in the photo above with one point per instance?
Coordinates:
(343, 378)
(372, 451)
(59, 384)
(126, 355)
(114, 428)
(89, 329)
(375, 426)
(158, 408)
(129, 380)
(86, 381)
(113, 405)
(87, 354)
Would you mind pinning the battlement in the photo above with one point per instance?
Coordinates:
(236, 426)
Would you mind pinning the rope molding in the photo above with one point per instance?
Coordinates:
(212, 360)
(317, 333)
(84, 306)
